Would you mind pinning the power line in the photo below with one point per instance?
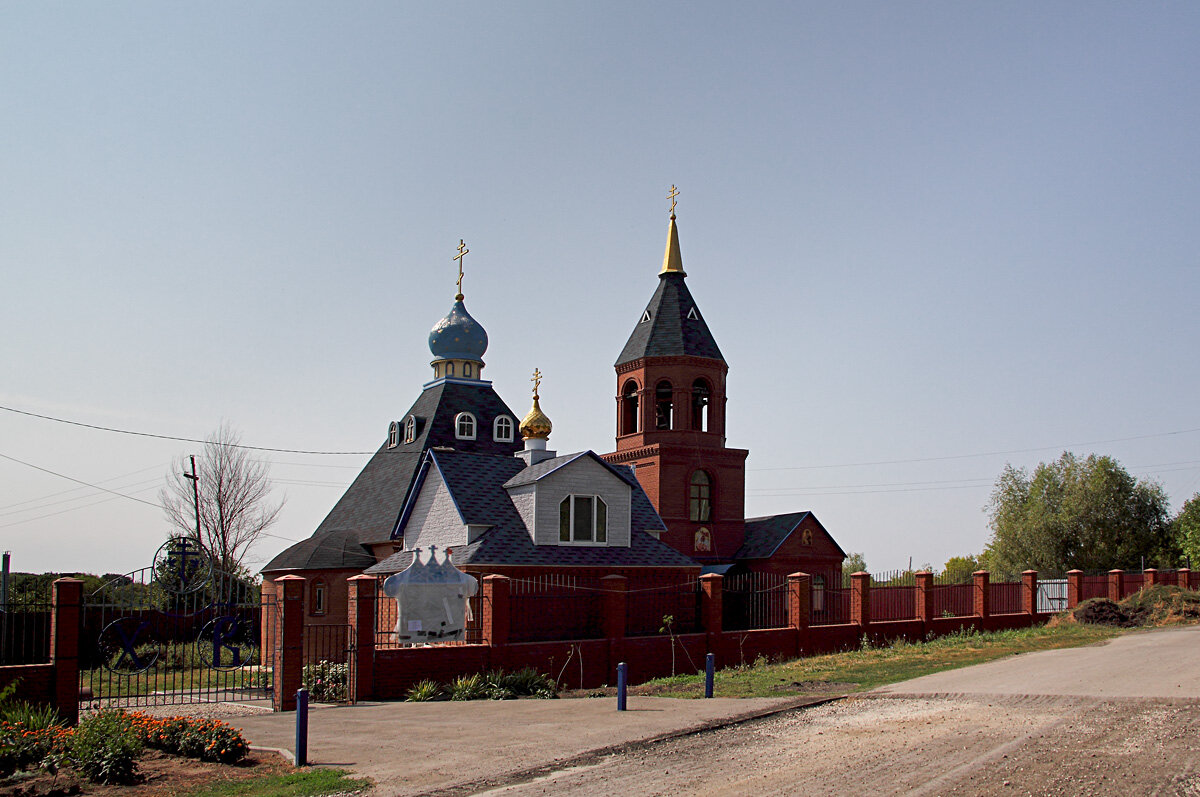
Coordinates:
(77, 481)
(183, 439)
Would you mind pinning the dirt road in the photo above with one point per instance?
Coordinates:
(921, 746)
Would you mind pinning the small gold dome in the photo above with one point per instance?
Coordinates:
(536, 426)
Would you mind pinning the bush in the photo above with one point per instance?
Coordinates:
(326, 681)
(423, 691)
(468, 687)
(105, 748)
(31, 715)
(208, 740)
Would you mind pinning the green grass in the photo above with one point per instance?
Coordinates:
(301, 783)
(858, 670)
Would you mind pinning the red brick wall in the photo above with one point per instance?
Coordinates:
(36, 682)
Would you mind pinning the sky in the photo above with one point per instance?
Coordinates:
(931, 239)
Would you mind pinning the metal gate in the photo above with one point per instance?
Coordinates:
(179, 631)
(329, 663)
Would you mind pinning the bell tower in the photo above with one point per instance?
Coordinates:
(671, 418)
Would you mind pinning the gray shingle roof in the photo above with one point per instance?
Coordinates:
(371, 506)
(670, 331)
(476, 482)
(765, 534)
(337, 550)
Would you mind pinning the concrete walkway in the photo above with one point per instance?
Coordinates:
(1159, 663)
(412, 748)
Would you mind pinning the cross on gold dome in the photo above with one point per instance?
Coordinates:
(671, 196)
(537, 381)
(462, 252)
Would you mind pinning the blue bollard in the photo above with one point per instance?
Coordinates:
(622, 677)
(302, 727)
(709, 669)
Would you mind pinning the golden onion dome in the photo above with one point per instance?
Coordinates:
(535, 425)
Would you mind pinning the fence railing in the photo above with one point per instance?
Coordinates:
(830, 607)
(754, 600)
(893, 603)
(952, 600)
(386, 635)
(555, 607)
(1094, 586)
(648, 607)
(1005, 597)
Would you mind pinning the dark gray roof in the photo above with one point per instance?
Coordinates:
(371, 506)
(476, 483)
(765, 534)
(337, 550)
(669, 331)
(534, 472)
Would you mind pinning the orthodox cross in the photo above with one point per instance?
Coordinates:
(462, 252)
(671, 196)
(537, 381)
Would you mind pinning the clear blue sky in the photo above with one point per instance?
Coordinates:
(922, 233)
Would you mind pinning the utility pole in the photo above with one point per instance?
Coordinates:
(195, 495)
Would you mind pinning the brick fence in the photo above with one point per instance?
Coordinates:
(387, 671)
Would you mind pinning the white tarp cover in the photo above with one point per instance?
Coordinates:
(431, 600)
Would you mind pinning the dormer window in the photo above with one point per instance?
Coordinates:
(583, 519)
(502, 429)
(449, 369)
(645, 317)
(464, 426)
(393, 434)
(467, 370)
(410, 429)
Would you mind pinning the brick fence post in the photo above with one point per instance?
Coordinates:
(711, 606)
(1074, 588)
(923, 596)
(65, 621)
(289, 643)
(363, 593)
(982, 594)
(1184, 576)
(799, 586)
(860, 599)
(1029, 592)
(1150, 577)
(1116, 585)
(494, 627)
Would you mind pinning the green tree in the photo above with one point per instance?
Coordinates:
(1088, 514)
(1185, 528)
(959, 569)
(854, 563)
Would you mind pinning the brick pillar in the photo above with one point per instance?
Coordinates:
(799, 586)
(1029, 591)
(860, 599)
(65, 620)
(923, 596)
(616, 597)
(363, 593)
(1074, 588)
(1151, 577)
(1184, 576)
(1116, 584)
(982, 594)
(496, 618)
(711, 608)
(289, 641)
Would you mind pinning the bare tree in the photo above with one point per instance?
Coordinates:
(234, 497)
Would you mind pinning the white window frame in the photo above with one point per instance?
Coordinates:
(464, 434)
(597, 502)
(393, 434)
(508, 424)
(410, 428)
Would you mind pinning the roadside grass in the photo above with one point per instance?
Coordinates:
(301, 783)
(869, 667)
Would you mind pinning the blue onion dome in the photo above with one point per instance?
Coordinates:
(458, 336)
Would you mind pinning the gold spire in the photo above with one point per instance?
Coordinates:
(672, 259)
(462, 252)
(536, 426)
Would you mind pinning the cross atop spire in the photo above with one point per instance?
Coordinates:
(537, 382)
(462, 252)
(671, 196)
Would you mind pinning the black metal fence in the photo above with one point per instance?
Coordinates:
(25, 624)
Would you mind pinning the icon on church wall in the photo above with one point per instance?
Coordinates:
(806, 537)
(703, 539)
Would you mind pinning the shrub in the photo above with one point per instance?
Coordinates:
(423, 691)
(468, 687)
(326, 681)
(105, 748)
(208, 740)
(528, 682)
(31, 715)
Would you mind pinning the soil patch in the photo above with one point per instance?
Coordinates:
(158, 774)
(1154, 606)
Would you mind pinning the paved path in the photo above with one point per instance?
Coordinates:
(1163, 663)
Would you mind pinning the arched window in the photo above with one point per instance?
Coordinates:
(818, 593)
(467, 369)
(629, 408)
(700, 405)
(410, 429)
(701, 497)
(393, 434)
(583, 518)
(464, 426)
(502, 429)
(449, 369)
(664, 405)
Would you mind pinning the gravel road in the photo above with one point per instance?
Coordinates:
(1008, 745)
